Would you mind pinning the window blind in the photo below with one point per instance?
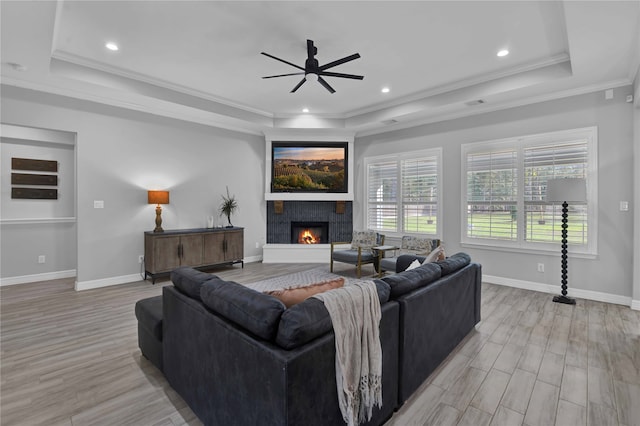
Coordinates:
(506, 183)
(543, 220)
(382, 200)
(492, 189)
(403, 192)
(419, 194)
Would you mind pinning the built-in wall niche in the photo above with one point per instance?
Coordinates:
(38, 167)
(321, 138)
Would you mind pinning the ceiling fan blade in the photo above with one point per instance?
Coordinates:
(338, 74)
(339, 61)
(299, 84)
(284, 75)
(325, 84)
(282, 60)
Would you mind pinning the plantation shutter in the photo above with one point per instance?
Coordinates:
(543, 220)
(382, 196)
(420, 194)
(492, 183)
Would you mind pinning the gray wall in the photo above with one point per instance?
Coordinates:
(611, 272)
(121, 154)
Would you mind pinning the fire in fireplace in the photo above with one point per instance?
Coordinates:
(309, 232)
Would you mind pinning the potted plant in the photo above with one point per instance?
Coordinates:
(228, 206)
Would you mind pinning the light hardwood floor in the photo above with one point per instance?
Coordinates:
(71, 358)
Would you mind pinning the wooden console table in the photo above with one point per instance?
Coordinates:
(200, 247)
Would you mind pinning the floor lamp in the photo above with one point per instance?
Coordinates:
(565, 191)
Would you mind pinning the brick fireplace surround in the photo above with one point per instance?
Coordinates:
(279, 247)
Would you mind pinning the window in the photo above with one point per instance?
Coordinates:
(505, 188)
(403, 193)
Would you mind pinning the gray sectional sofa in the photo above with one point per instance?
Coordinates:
(239, 357)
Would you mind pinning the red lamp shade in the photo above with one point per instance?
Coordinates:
(158, 197)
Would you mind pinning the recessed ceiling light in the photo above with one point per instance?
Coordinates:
(503, 52)
(305, 109)
(385, 90)
(111, 46)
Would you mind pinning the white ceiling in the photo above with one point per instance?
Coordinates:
(201, 61)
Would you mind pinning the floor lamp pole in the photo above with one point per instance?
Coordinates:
(564, 298)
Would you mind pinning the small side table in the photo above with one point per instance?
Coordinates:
(381, 251)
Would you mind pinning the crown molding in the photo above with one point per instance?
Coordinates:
(131, 75)
(461, 84)
(487, 108)
(155, 108)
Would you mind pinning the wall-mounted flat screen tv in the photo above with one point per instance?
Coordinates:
(309, 167)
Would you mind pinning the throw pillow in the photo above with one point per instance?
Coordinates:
(418, 245)
(293, 296)
(435, 255)
(413, 265)
(364, 239)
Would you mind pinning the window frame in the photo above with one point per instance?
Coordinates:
(519, 144)
(399, 158)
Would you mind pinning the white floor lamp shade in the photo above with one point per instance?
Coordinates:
(566, 190)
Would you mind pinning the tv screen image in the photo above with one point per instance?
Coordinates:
(300, 167)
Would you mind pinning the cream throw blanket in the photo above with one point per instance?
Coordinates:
(355, 314)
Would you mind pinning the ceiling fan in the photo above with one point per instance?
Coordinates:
(313, 71)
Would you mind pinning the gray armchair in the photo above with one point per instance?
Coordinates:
(360, 252)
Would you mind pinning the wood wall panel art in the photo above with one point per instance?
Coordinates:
(34, 193)
(34, 165)
(33, 179)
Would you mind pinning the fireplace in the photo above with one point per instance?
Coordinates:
(309, 232)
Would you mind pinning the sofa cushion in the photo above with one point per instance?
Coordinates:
(384, 291)
(257, 312)
(454, 263)
(351, 256)
(309, 319)
(188, 280)
(404, 282)
(293, 296)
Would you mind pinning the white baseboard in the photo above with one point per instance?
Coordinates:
(23, 279)
(252, 259)
(635, 305)
(124, 279)
(106, 282)
(553, 289)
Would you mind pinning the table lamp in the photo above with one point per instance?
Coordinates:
(566, 190)
(158, 197)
